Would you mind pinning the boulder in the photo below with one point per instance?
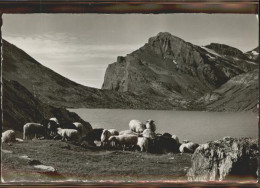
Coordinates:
(222, 159)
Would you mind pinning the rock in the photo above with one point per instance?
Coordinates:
(218, 161)
(44, 168)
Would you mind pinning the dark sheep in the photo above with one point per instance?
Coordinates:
(167, 135)
(163, 144)
(94, 135)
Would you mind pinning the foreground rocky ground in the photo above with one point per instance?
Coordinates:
(73, 162)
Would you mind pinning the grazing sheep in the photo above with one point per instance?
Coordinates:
(189, 147)
(167, 135)
(176, 138)
(148, 133)
(55, 120)
(104, 137)
(52, 127)
(124, 141)
(69, 134)
(163, 144)
(150, 125)
(94, 135)
(8, 136)
(143, 142)
(33, 129)
(113, 132)
(81, 129)
(136, 126)
(128, 132)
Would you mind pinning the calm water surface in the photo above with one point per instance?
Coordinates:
(198, 127)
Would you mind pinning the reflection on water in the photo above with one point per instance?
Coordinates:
(198, 127)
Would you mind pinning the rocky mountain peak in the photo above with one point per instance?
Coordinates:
(224, 49)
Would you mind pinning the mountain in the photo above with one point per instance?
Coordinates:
(253, 54)
(170, 67)
(53, 89)
(240, 93)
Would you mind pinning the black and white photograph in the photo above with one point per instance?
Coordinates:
(146, 98)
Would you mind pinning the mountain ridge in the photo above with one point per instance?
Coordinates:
(168, 66)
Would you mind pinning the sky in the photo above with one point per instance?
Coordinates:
(80, 46)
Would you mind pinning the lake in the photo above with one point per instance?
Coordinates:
(198, 127)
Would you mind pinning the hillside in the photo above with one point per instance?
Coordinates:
(56, 90)
(240, 93)
(20, 107)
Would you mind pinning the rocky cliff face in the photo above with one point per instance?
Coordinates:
(227, 159)
(180, 71)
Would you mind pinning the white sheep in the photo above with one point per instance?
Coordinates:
(69, 134)
(8, 136)
(136, 126)
(142, 142)
(150, 125)
(176, 138)
(113, 132)
(189, 147)
(104, 137)
(148, 133)
(124, 140)
(128, 132)
(33, 130)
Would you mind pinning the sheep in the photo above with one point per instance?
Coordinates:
(69, 134)
(8, 136)
(52, 127)
(150, 125)
(128, 132)
(81, 129)
(113, 132)
(55, 120)
(176, 138)
(143, 142)
(104, 137)
(124, 140)
(167, 135)
(148, 133)
(33, 129)
(136, 126)
(93, 135)
(189, 147)
(163, 144)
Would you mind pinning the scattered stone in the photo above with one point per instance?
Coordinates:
(19, 140)
(218, 161)
(6, 151)
(44, 168)
(24, 157)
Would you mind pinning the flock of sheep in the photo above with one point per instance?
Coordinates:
(139, 136)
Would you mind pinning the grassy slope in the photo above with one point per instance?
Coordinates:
(78, 163)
